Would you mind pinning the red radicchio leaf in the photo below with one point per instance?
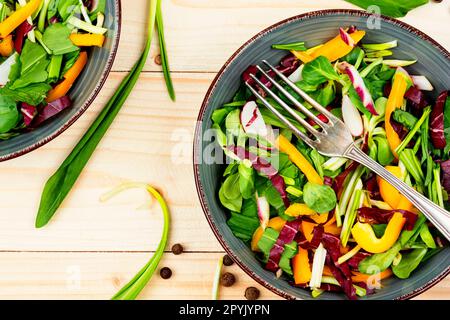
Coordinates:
(378, 216)
(354, 261)
(342, 271)
(287, 65)
(52, 109)
(263, 166)
(21, 32)
(352, 29)
(416, 97)
(401, 131)
(286, 236)
(330, 287)
(371, 185)
(437, 122)
(28, 113)
(445, 167)
(315, 241)
(328, 181)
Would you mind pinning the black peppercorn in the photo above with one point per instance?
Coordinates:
(251, 293)
(158, 60)
(177, 249)
(227, 260)
(227, 279)
(165, 273)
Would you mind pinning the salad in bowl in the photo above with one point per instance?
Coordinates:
(327, 223)
(44, 48)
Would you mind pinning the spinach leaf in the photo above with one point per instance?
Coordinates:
(375, 87)
(249, 208)
(409, 262)
(56, 38)
(384, 153)
(32, 53)
(318, 71)
(34, 94)
(326, 95)
(353, 56)
(405, 118)
(320, 198)
(246, 179)
(290, 250)
(268, 239)
(36, 74)
(9, 115)
(392, 8)
(242, 226)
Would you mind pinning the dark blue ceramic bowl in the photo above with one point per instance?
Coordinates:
(314, 28)
(83, 93)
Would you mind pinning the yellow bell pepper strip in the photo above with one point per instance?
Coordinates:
(299, 209)
(320, 218)
(87, 40)
(366, 238)
(298, 159)
(301, 267)
(390, 194)
(336, 48)
(20, 15)
(7, 46)
(302, 56)
(395, 100)
(69, 78)
(361, 277)
(276, 223)
(307, 229)
(305, 56)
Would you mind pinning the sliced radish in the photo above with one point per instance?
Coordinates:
(263, 211)
(5, 68)
(422, 83)
(346, 38)
(296, 76)
(360, 87)
(252, 120)
(351, 116)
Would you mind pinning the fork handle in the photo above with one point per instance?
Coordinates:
(437, 215)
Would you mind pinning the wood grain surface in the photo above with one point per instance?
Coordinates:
(91, 248)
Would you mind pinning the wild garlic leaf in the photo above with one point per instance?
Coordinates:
(33, 94)
(9, 114)
(32, 53)
(409, 263)
(392, 8)
(56, 38)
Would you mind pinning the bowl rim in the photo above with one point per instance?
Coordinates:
(104, 76)
(198, 128)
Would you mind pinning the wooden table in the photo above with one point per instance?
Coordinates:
(91, 249)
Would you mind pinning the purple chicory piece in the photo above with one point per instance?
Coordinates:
(437, 122)
(21, 32)
(354, 261)
(379, 216)
(52, 109)
(399, 129)
(341, 271)
(416, 97)
(315, 241)
(445, 168)
(263, 166)
(287, 235)
(28, 113)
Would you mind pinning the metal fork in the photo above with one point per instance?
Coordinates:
(335, 140)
